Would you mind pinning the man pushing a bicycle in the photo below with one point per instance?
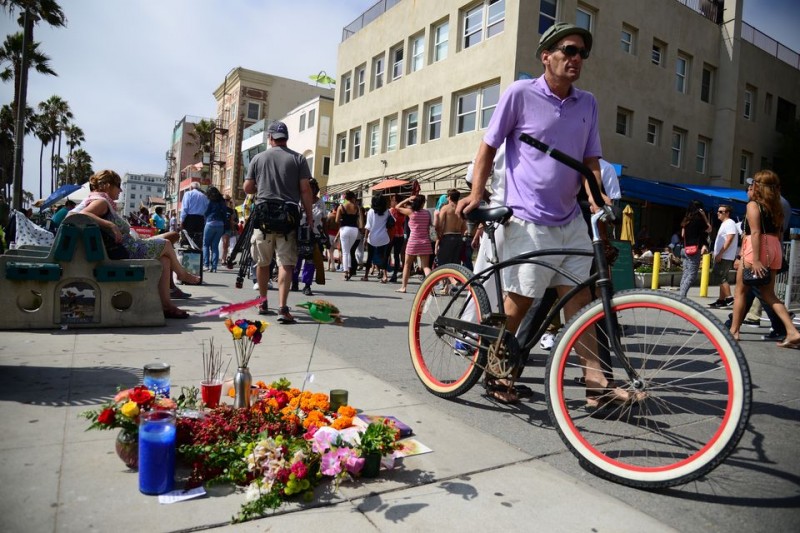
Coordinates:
(542, 192)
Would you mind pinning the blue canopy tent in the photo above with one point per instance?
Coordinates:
(58, 194)
(680, 194)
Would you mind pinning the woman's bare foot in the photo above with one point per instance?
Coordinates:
(401, 289)
(188, 277)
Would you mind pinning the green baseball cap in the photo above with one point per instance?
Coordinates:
(558, 31)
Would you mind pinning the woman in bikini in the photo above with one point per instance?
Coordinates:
(99, 205)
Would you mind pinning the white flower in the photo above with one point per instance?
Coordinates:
(253, 491)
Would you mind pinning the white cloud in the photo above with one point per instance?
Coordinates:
(130, 69)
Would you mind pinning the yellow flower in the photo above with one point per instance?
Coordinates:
(130, 409)
(263, 327)
(237, 332)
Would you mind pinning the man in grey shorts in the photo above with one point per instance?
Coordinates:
(278, 175)
(541, 191)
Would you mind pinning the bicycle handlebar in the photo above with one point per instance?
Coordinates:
(574, 164)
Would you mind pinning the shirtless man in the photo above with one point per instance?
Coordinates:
(450, 229)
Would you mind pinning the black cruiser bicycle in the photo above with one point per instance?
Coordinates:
(687, 380)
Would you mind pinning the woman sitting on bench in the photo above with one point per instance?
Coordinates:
(99, 205)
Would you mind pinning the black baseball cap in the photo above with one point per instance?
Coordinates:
(278, 130)
(558, 31)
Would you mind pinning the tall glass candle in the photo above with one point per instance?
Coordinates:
(156, 452)
(156, 378)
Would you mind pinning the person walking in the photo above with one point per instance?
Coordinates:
(724, 256)
(231, 228)
(695, 228)
(279, 177)
(305, 268)
(419, 242)
(159, 222)
(762, 253)
(398, 241)
(450, 229)
(543, 192)
(350, 222)
(376, 234)
(215, 216)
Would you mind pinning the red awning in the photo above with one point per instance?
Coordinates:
(388, 184)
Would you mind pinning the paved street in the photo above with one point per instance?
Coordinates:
(757, 489)
(504, 464)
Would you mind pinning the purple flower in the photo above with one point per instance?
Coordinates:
(330, 465)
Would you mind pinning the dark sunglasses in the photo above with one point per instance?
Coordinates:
(571, 50)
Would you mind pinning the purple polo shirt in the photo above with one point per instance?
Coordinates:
(539, 188)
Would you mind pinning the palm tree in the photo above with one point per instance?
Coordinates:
(64, 121)
(81, 166)
(74, 139)
(45, 136)
(11, 62)
(7, 118)
(55, 111)
(203, 134)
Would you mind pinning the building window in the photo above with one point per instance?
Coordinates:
(768, 104)
(228, 179)
(677, 148)
(361, 80)
(473, 26)
(417, 52)
(133, 197)
(253, 110)
(341, 142)
(355, 144)
(681, 73)
(749, 101)
(702, 155)
(628, 39)
(584, 18)
(391, 134)
(547, 14)
(658, 53)
(312, 115)
(377, 72)
(411, 127)
(467, 108)
(347, 82)
(441, 36)
(706, 85)
(624, 120)
(302, 122)
(434, 117)
(744, 166)
(475, 21)
(784, 118)
(326, 165)
(230, 145)
(489, 98)
(397, 62)
(653, 132)
(374, 138)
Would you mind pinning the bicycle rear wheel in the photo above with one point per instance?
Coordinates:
(445, 368)
(695, 402)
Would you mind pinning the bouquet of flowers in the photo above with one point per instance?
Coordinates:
(246, 334)
(123, 411)
(379, 437)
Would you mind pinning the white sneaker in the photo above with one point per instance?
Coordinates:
(547, 342)
(255, 286)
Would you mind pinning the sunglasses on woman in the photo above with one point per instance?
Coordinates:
(571, 50)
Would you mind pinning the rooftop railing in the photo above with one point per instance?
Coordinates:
(770, 45)
(378, 9)
(710, 9)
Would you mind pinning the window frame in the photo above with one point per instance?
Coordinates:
(355, 144)
(748, 103)
(677, 151)
(492, 26)
(312, 116)
(416, 46)
(466, 35)
(397, 64)
(440, 47)
(682, 78)
(341, 148)
(302, 125)
(483, 108)
(258, 110)
(433, 124)
(377, 75)
(628, 46)
(374, 132)
(655, 134)
(701, 160)
(707, 86)
(627, 122)
(392, 134)
(409, 129)
(589, 14)
(745, 162)
(546, 19)
(347, 88)
(361, 81)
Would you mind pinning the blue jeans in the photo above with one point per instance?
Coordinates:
(211, 236)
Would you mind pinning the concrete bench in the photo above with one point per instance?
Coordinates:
(74, 284)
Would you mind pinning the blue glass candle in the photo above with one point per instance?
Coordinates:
(156, 452)
(156, 378)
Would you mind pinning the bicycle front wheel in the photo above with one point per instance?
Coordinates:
(448, 361)
(694, 404)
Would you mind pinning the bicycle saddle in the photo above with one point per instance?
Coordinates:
(485, 213)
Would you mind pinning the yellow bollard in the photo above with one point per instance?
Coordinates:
(705, 274)
(656, 270)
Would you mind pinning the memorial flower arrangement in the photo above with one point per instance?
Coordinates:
(246, 334)
(123, 411)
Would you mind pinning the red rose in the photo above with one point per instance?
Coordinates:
(141, 395)
(107, 417)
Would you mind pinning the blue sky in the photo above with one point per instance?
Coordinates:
(130, 68)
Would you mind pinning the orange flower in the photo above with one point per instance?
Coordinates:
(342, 422)
(232, 393)
(315, 418)
(346, 410)
(251, 330)
(291, 418)
(229, 324)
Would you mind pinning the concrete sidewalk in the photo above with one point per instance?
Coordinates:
(58, 477)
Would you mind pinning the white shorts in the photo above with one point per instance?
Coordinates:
(283, 246)
(532, 280)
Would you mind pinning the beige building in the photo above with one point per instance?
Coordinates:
(310, 133)
(683, 98)
(244, 98)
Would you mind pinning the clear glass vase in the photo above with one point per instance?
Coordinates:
(127, 448)
(241, 385)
